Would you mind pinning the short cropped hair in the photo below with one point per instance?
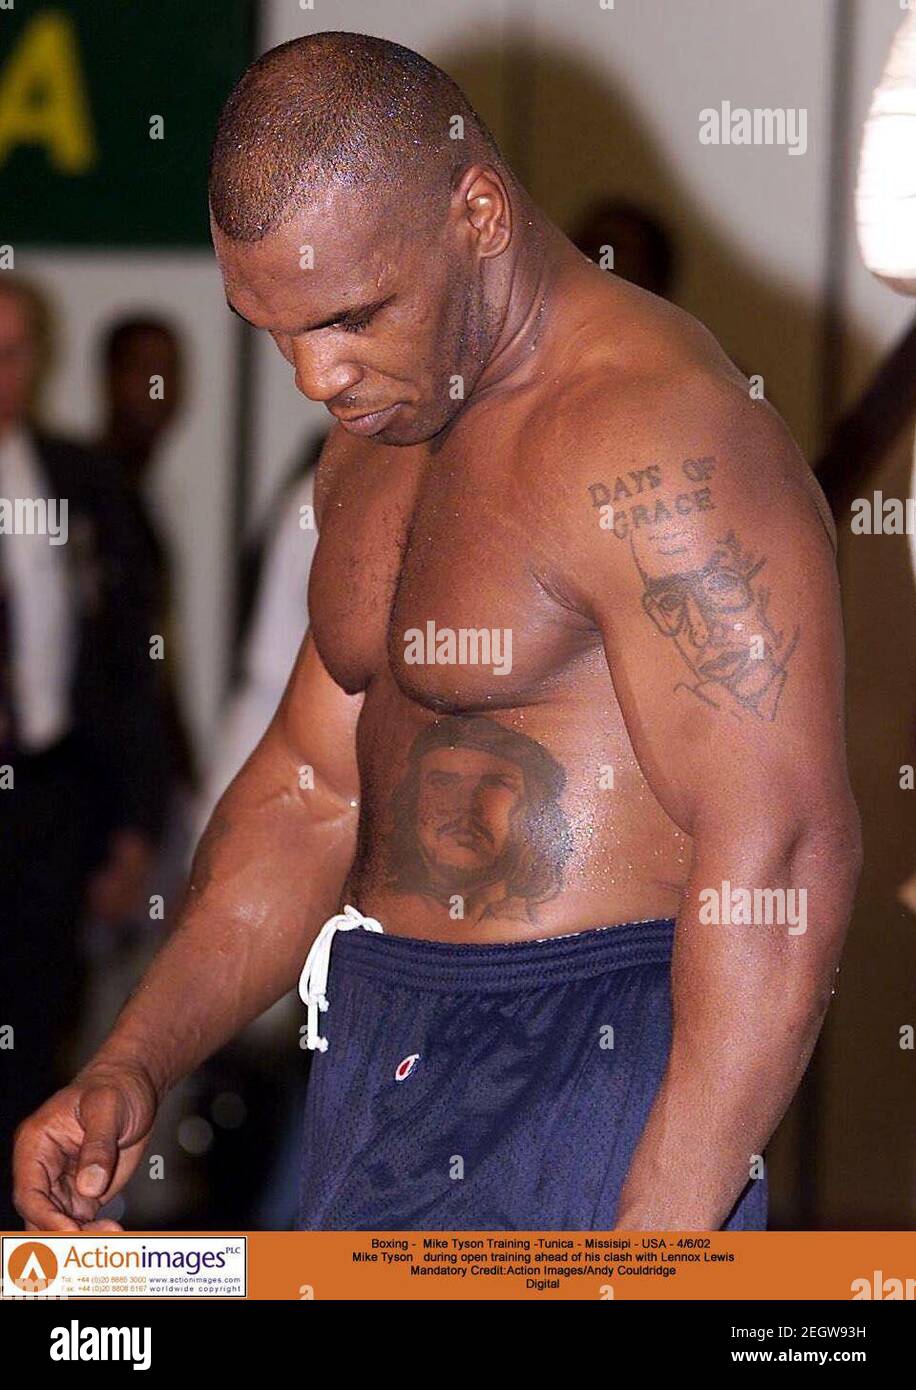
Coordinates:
(340, 110)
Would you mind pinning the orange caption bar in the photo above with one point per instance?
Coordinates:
(316, 1265)
(583, 1265)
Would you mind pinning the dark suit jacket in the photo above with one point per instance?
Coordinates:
(115, 695)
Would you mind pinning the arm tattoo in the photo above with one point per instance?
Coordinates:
(622, 515)
(718, 618)
(717, 614)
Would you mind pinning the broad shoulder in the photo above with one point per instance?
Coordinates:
(648, 432)
(668, 450)
(664, 385)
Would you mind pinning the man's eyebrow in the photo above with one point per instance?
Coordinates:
(354, 312)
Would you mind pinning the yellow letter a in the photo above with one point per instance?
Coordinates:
(42, 99)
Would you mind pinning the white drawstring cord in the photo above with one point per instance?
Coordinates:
(313, 980)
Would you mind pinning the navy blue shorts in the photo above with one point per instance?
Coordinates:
(493, 1088)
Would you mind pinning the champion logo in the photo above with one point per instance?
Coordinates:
(403, 1069)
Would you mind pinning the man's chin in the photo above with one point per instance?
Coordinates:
(418, 429)
(407, 427)
(468, 870)
(467, 877)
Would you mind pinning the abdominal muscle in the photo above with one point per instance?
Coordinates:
(508, 825)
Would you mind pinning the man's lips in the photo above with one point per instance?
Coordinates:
(467, 834)
(372, 423)
(723, 666)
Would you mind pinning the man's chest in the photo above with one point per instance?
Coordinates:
(429, 568)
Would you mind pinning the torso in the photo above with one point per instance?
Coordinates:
(494, 806)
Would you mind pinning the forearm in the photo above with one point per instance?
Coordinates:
(748, 1004)
(267, 872)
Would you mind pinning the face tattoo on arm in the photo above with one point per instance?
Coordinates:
(717, 612)
(717, 617)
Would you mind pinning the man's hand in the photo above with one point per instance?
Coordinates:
(267, 873)
(80, 1148)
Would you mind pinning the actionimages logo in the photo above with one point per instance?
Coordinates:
(32, 1267)
(85, 1266)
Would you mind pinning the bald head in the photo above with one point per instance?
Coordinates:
(361, 215)
(337, 110)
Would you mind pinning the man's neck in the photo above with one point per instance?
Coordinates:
(540, 264)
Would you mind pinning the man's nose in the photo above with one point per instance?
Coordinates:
(320, 374)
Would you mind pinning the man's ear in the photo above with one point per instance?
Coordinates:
(485, 204)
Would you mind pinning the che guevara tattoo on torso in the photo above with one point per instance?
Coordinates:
(478, 827)
(716, 613)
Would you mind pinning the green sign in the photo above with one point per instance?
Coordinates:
(107, 110)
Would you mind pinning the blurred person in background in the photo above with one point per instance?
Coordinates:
(626, 239)
(81, 747)
(643, 251)
(144, 388)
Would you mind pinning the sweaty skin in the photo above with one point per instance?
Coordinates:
(575, 657)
